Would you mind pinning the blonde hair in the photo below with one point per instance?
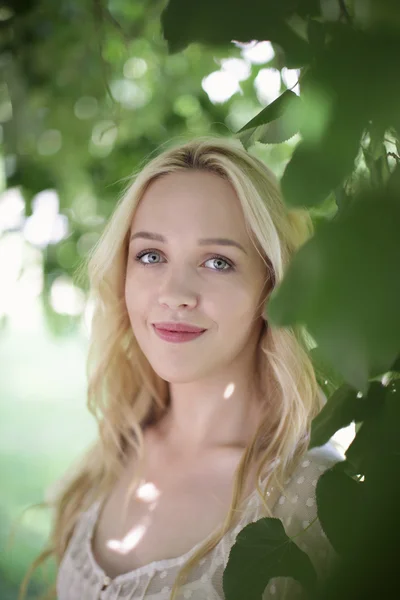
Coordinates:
(125, 394)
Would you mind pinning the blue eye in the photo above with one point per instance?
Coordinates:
(230, 265)
(144, 253)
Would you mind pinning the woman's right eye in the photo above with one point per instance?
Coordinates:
(144, 253)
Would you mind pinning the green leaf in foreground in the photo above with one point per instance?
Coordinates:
(338, 412)
(347, 290)
(276, 123)
(377, 439)
(339, 498)
(327, 378)
(318, 167)
(273, 110)
(263, 551)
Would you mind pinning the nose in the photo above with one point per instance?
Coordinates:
(176, 291)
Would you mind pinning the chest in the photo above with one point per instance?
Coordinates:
(188, 507)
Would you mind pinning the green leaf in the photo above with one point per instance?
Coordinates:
(309, 8)
(390, 423)
(396, 365)
(262, 551)
(328, 379)
(346, 290)
(276, 123)
(275, 132)
(286, 101)
(398, 145)
(319, 166)
(316, 35)
(338, 498)
(378, 436)
(338, 412)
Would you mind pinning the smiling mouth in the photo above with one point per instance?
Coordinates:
(178, 330)
(177, 336)
(178, 327)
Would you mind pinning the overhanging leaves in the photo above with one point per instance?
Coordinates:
(351, 75)
(217, 23)
(346, 288)
(263, 551)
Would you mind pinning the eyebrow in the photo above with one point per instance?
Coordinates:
(202, 242)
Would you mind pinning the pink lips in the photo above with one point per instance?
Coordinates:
(177, 336)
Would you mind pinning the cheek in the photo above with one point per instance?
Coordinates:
(239, 305)
(129, 296)
(135, 298)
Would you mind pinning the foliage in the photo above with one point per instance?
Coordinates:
(346, 279)
(278, 557)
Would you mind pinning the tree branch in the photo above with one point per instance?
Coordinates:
(98, 22)
(344, 12)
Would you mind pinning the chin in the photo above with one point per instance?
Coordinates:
(178, 373)
(178, 376)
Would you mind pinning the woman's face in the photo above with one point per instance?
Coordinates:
(181, 279)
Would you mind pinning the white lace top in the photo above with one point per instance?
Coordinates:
(81, 578)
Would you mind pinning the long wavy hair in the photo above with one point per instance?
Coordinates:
(125, 394)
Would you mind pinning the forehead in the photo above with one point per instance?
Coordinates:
(192, 198)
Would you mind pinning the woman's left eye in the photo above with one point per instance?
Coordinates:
(227, 262)
(230, 265)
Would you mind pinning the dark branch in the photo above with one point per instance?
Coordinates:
(343, 12)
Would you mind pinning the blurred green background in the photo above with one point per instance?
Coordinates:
(43, 426)
(88, 92)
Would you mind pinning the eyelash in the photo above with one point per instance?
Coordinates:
(215, 256)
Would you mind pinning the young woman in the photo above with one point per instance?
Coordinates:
(204, 408)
